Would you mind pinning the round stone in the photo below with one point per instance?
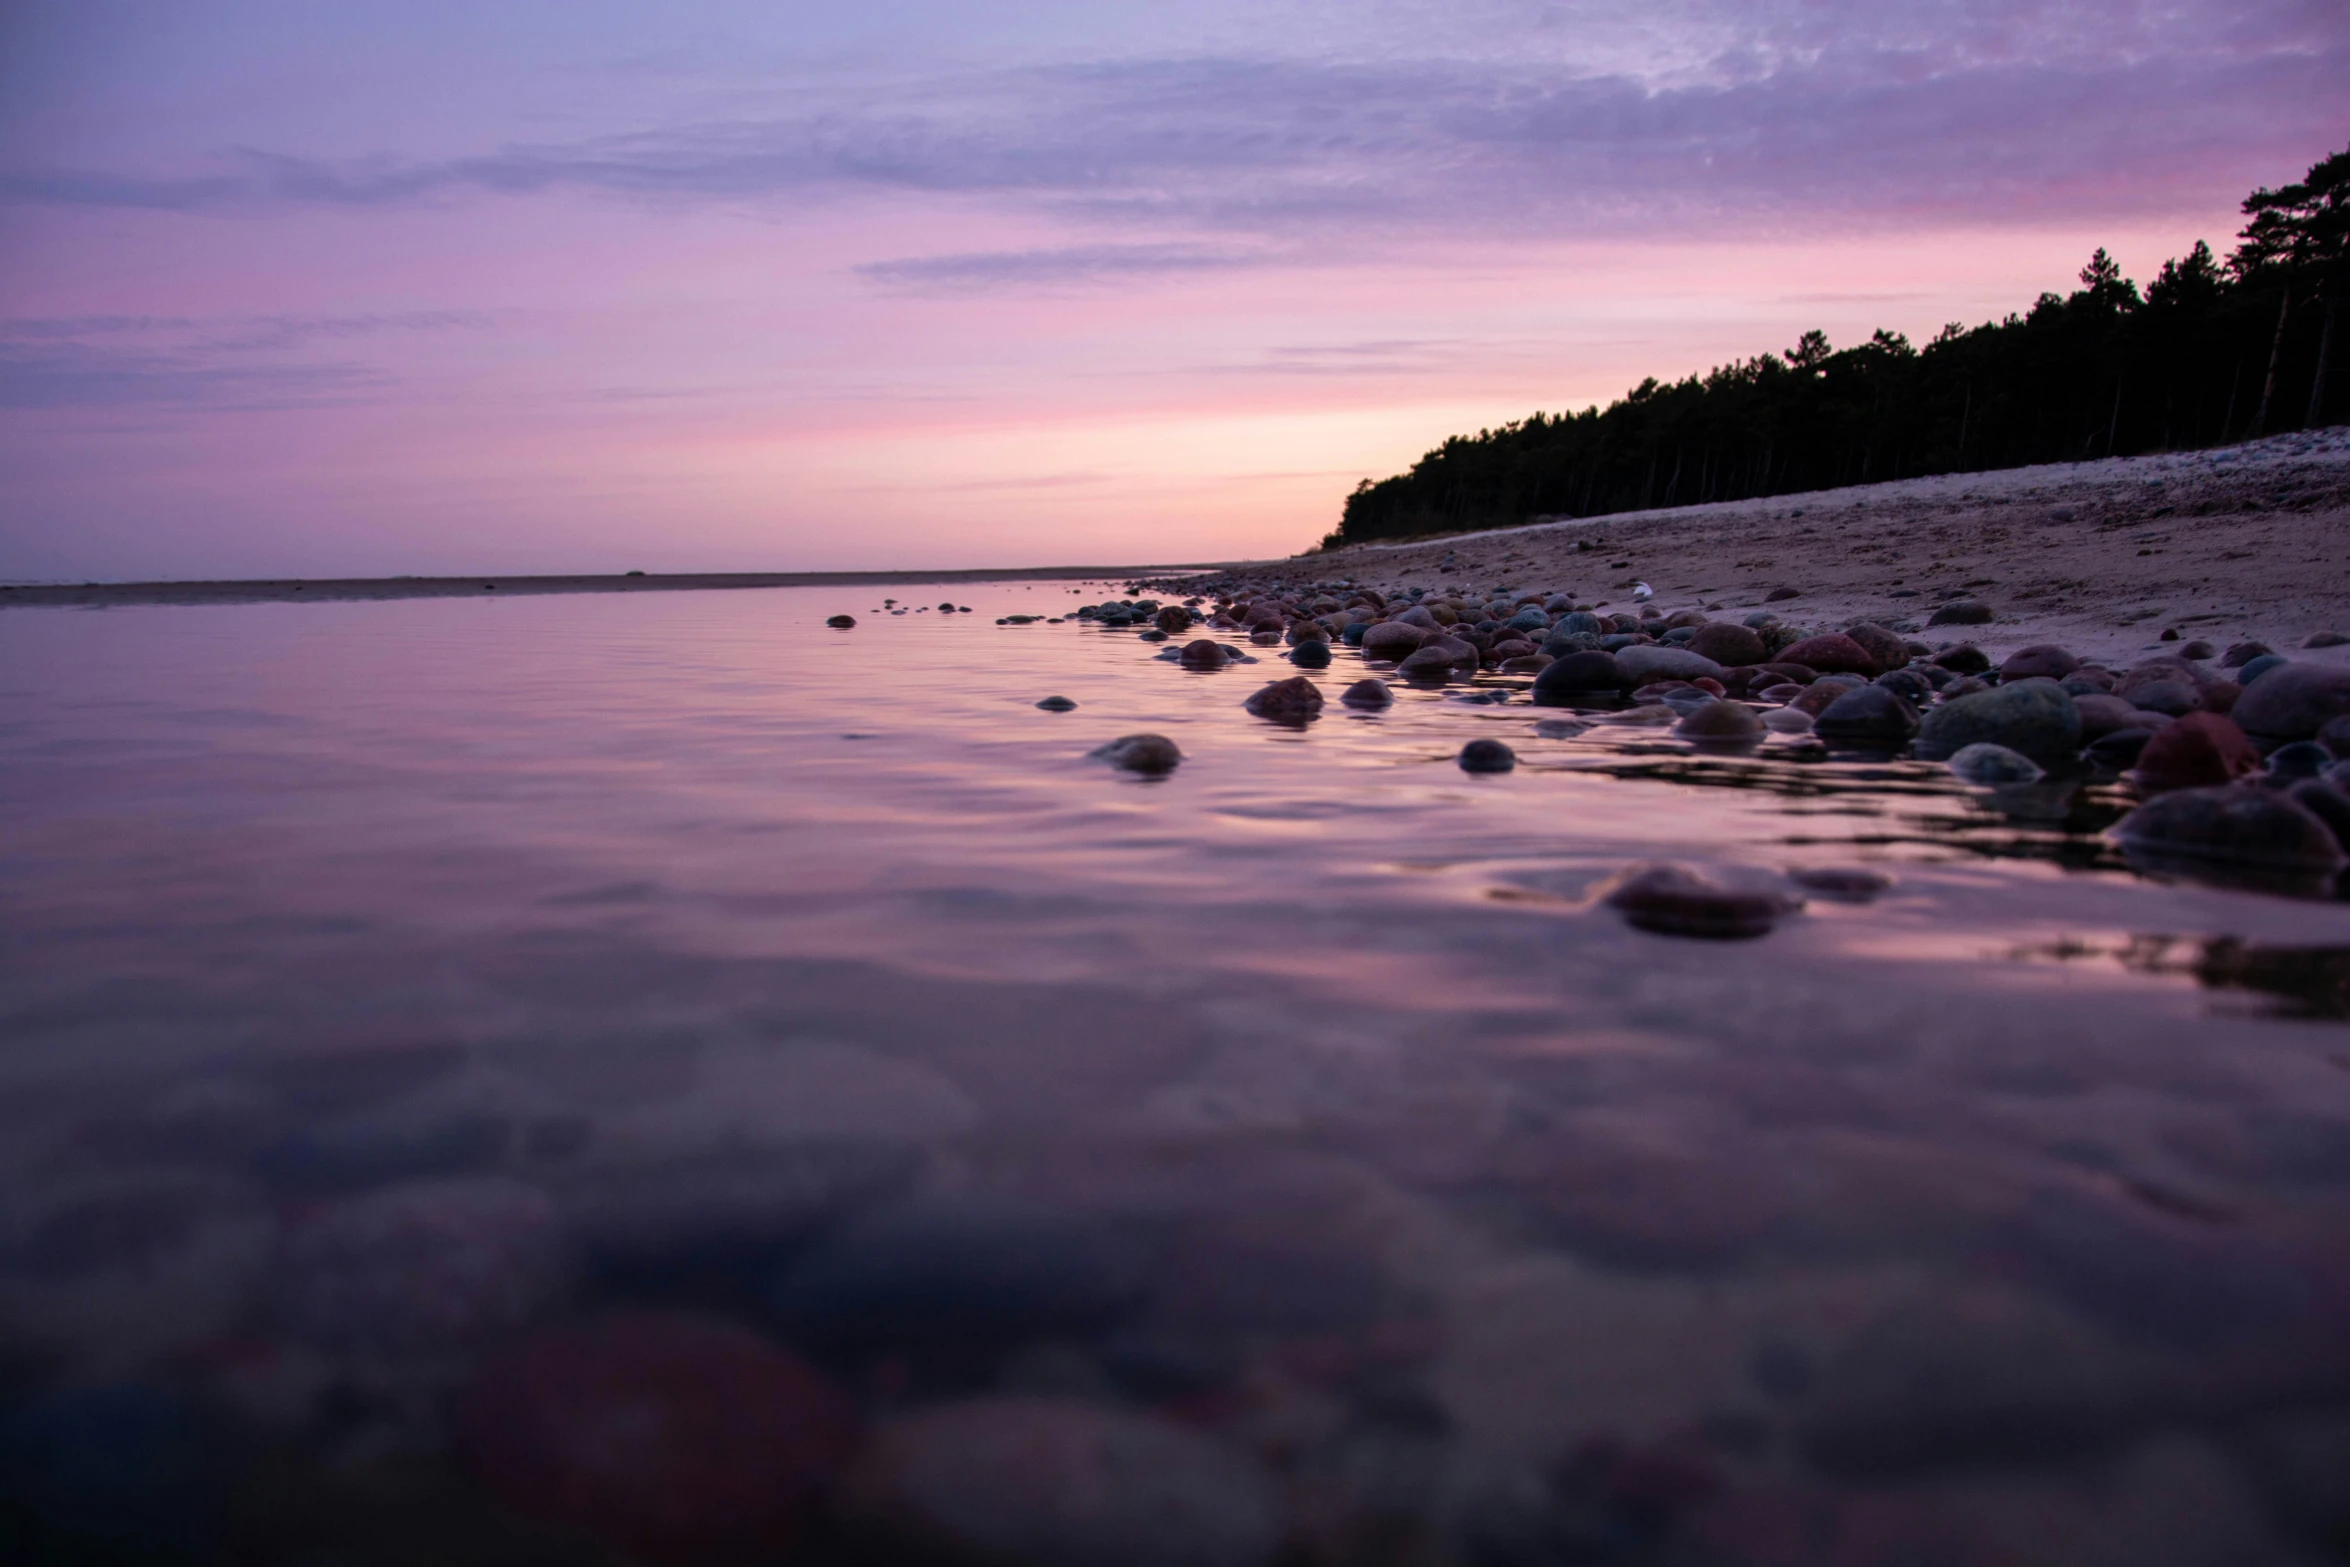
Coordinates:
(1639, 666)
(1962, 612)
(1487, 756)
(2042, 658)
(840, 622)
(2175, 698)
(1788, 721)
(1173, 618)
(2231, 826)
(1842, 883)
(1995, 766)
(1965, 659)
(1728, 644)
(1057, 704)
(2293, 703)
(2119, 748)
(1204, 654)
(2102, 715)
(1311, 655)
(1719, 721)
(1428, 663)
(1869, 715)
(1673, 900)
(676, 1437)
(2298, 760)
(1296, 700)
(1367, 693)
(1578, 675)
(2036, 717)
(1833, 653)
(1058, 1482)
(2196, 752)
(1139, 753)
(1886, 647)
(1392, 639)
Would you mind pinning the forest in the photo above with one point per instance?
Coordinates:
(2210, 352)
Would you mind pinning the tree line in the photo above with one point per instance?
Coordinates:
(2210, 352)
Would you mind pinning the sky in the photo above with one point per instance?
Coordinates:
(572, 285)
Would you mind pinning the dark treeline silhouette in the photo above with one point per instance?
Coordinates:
(2209, 353)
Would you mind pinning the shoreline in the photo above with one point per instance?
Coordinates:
(298, 590)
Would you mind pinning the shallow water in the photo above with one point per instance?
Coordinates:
(388, 987)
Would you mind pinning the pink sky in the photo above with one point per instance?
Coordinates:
(751, 288)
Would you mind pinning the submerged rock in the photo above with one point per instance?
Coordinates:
(1719, 721)
(1367, 692)
(1292, 701)
(1139, 753)
(1173, 618)
(1487, 756)
(840, 622)
(1673, 900)
(1434, 664)
(1204, 654)
(1995, 766)
(1311, 655)
(2232, 826)
(1578, 675)
(1788, 721)
(1843, 883)
(1057, 704)
(1964, 659)
(1870, 715)
(2036, 717)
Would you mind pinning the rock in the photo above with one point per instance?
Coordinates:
(2324, 639)
(2175, 698)
(1962, 612)
(2255, 829)
(1964, 659)
(1296, 700)
(2327, 803)
(1057, 1482)
(1673, 900)
(2119, 748)
(2334, 735)
(1311, 655)
(1842, 883)
(1061, 704)
(1823, 693)
(2241, 653)
(1353, 635)
(1638, 666)
(1173, 618)
(1717, 721)
(1301, 632)
(1831, 654)
(1428, 663)
(1139, 753)
(1265, 636)
(2298, 760)
(1908, 684)
(1204, 654)
(2257, 667)
(2293, 703)
(1788, 721)
(674, 1437)
(1871, 715)
(1367, 693)
(2101, 714)
(1561, 728)
(1782, 595)
(1995, 766)
(120, 1473)
(2035, 717)
(1578, 675)
(840, 622)
(1889, 650)
(1728, 644)
(1487, 756)
(1579, 623)
(2041, 658)
(415, 1269)
(2198, 649)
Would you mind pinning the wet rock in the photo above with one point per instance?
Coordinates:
(1265, 636)
(1965, 659)
(421, 1268)
(1301, 632)
(1487, 756)
(1060, 704)
(2196, 752)
(1673, 900)
(1204, 654)
(1718, 721)
(2035, 717)
(1057, 1482)
(1833, 654)
(1995, 766)
(2293, 703)
(1728, 644)
(1139, 753)
(2119, 748)
(677, 1437)
(1842, 883)
(1173, 618)
(1367, 693)
(2040, 659)
(1871, 715)
(1578, 675)
(1788, 721)
(1434, 664)
(1311, 655)
(1561, 728)
(1888, 649)
(840, 622)
(949, 1283)
(1638, 666)
(2232, 826)
(1962, 612)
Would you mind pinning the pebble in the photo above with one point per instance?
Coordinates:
(2040, 659)
(1673, 900)
(1964, 659)
(1139, 753)
(1727, 644)
(1433, 664)
(2254, 668)
(1962, 612)
(1782, 595)
(1578, 675)
(2036, 717)
(1719, 721)
(2298, 760)
(1886, 647)
(1057, 704)
(2293, 703)
(1367, 692)
(1204, 654)
(1296, 700)
(1638, 666)
(2102, 715)
(1487, 756)
(1060, 1482)
(675, 1437)
(1311, 655)
(2198, 649)
(1995, 766)
(2230, 826)
(1871, 715)
(2324, 639)
(2174, 698)
(1393, 639)
(840, 622)
(1833, 653)
(1788, 721)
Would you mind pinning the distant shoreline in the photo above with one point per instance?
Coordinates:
(291, 590)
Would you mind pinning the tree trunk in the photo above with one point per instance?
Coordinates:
(2325, 346)
(2276, 354)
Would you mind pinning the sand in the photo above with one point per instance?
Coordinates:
(2247, 542)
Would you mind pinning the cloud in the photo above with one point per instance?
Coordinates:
(214, 363)
(1058, 266)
